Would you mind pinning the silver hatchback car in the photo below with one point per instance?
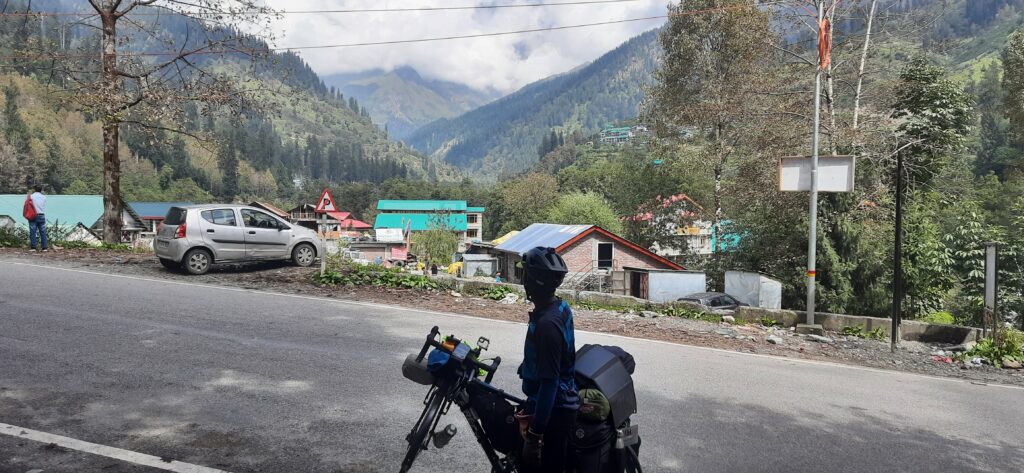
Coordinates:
(197, 236)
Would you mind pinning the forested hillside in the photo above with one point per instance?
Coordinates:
(504, 135)
(306, 131)
(403, 101)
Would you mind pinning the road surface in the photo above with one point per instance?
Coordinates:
(245, 381)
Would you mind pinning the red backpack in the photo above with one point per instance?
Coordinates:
(30, 210)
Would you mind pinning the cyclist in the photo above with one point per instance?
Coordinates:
(548, 367)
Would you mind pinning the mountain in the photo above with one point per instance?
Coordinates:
(307, 133)
(404, 100)
(503, 135)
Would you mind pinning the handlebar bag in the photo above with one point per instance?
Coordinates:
(497, 415)
(437, 360)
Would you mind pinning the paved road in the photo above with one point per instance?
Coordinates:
(249, 381)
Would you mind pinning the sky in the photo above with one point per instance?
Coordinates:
(497, 63)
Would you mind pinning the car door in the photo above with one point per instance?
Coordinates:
(265, 237)
(221, 231)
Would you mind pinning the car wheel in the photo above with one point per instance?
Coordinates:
(303, 255)
(170, 264)
(197, 261)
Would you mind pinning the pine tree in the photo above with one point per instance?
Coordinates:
(227, 162)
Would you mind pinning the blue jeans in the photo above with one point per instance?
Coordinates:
(39, 223)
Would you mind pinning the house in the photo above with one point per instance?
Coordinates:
(421, 215)
(152, 213)
(596, 257)
(624, 134)
(270, 208)
(333, 224)
(67, 212)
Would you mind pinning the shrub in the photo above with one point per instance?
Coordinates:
(352, 274)
(769, 322)
(1006, 346)
(943, 317)
(858, 331)
(499, 292)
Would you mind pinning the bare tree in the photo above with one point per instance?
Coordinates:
(157, 56)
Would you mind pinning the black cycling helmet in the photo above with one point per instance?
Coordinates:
(543, 271)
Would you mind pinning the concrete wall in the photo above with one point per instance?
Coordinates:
(909, 330)
(486, 267)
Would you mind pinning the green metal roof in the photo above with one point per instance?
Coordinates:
(422, 205)
(475, 209)
(419, 222)
(66, 210)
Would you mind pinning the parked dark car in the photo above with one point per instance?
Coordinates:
(713, 300)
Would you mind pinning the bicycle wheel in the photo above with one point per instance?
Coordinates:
(418, 436)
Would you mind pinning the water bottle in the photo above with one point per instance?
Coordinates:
(443, 437)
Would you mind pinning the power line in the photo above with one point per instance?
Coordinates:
(408, 41)
(321, 12)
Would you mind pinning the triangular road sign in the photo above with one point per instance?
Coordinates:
(326, 203)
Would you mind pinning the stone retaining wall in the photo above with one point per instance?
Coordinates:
(910, 330)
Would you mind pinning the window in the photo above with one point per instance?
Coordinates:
(175, 216)
(471, 218)
(253, 218)
(471, 233)
(604, 255)
(220, 217)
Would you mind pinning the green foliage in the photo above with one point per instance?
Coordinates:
(1013, 81)
(579, 208)
(769, 322)
(352, 274)
(941, 317)
(435, 245)
(16, 237)
(498, 292)
(859, 332)
(934, 115)
(1007, 346)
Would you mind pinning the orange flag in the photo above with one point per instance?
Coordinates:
(824, 44)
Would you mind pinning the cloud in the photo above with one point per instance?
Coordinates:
(502, 63)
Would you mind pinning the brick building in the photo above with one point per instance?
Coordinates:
(596, 257)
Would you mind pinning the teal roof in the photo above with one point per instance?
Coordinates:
(418, 222)
(422, 205)
(478, 210)
(66, 210)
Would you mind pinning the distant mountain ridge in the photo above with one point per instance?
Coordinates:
(403, 100)
(503, 135)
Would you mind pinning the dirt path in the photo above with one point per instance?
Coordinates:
(279, 277)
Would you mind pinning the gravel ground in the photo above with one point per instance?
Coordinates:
(280, 277)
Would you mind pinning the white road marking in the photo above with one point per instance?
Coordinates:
(473, 317)
(104, 451)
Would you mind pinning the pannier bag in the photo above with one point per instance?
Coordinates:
(497, 415)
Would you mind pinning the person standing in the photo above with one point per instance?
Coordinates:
(39, 222)
(549, 366)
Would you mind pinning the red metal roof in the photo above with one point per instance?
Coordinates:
(621, 241)
(354, 224)
(339, 216)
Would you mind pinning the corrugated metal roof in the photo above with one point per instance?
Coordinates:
(422, 205)
(418, 222)
(155, 209)
(505, 237)
(541, 234)
(66, 210)
(476, 257)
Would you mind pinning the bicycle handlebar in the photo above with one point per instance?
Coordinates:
(433, 342)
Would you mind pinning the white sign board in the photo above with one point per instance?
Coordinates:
(990, 276)
(390, 235)
(835, 174)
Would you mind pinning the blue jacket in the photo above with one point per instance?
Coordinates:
(550, 355)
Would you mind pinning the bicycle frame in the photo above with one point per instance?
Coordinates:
(454, 390)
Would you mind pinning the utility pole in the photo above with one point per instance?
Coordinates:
(897, 260)
(812, 240)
